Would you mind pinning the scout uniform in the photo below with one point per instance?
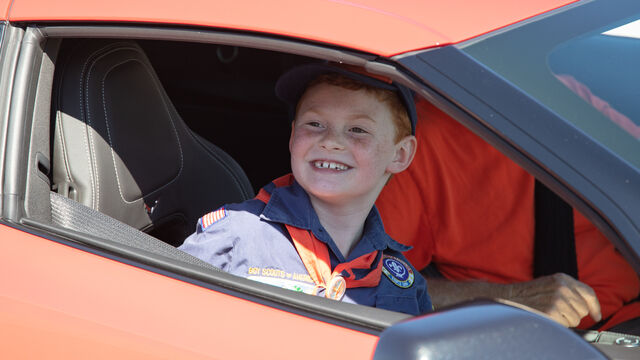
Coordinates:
(277, 239)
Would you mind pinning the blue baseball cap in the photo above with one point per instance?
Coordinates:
(293, 83)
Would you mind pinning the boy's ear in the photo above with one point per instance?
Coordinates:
(405, 151)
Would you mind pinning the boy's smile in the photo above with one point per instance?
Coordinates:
(330, 165)
(342, 144)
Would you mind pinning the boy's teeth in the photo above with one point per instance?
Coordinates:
(330, 165)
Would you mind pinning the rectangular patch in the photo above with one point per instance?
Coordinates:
(213, 217)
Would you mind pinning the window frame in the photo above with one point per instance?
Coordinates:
(357, 317)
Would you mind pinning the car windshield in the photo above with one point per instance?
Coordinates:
(585, 69)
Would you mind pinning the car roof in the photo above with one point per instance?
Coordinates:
(377, 26)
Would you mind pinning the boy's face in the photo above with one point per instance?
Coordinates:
(342, 144)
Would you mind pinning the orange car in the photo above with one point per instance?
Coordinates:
(122, 122)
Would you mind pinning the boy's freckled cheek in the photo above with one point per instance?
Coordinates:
(361, 142)
(379, 151)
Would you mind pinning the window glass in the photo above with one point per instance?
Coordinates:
(602, 69)
(582, 64)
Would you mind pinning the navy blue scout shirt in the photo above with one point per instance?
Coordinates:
(250, 240)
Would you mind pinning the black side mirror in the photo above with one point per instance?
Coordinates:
(482, 330)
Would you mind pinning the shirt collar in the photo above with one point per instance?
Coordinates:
(291, 205)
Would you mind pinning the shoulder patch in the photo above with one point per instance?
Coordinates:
(213, 217)
(398, 271)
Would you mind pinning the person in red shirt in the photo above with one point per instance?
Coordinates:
(469, 210)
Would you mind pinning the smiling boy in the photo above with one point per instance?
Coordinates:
(317, 230)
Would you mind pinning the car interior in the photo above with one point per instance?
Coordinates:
(141, 163)
(155, 134)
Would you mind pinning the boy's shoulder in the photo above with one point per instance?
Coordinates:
(229, 214)
(289, 202)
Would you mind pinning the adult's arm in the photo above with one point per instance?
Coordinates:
(559, 296)
(602, 267)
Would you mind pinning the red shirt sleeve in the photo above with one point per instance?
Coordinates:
(602, 267)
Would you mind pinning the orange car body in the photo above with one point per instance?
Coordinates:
(381, 27)
(124, 311)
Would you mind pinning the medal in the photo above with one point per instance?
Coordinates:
(336, 288)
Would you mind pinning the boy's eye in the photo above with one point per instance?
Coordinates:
(358, 130)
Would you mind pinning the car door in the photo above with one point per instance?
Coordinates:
(67, 294)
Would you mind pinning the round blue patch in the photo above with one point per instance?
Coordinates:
(397, 271)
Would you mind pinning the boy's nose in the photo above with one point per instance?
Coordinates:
(332, 140)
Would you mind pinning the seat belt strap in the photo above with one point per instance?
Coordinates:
(554, 244)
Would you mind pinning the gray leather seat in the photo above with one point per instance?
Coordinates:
(121, 148)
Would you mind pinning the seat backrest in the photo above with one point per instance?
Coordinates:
(120, 147)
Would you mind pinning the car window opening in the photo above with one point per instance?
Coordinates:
(221, 95)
